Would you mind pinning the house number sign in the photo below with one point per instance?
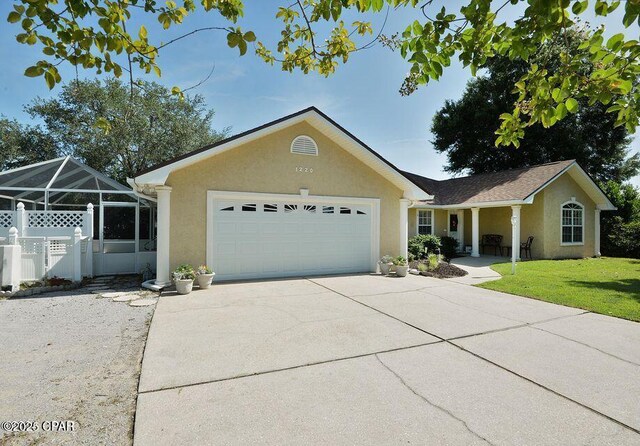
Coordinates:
(304, 169)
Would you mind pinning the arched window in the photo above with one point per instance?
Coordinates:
(572, 222)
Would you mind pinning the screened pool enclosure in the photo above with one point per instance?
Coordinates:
(60, 195)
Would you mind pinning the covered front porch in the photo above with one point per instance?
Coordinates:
(497, 231)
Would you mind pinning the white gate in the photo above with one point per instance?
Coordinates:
(33, 257)
(60, 257)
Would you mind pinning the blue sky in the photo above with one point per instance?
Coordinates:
(245, 92)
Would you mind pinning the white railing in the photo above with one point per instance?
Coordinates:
(46, 223)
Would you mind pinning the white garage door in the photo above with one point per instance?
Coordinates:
(258, 236)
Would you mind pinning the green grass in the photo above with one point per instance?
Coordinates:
(608, 286)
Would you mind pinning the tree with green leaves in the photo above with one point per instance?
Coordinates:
(22, 144)
(144, 129)
(464, 129)
(621, 228)
(99, 35)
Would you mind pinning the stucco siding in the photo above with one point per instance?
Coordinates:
(558, 192)
(468, 234)
(441, 218)
(268, 166)
(413, 221)
(532, 224)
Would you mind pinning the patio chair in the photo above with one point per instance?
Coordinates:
(526, 247)
(494, 240)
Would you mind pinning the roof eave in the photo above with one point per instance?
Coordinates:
(480, 204)
(595, 192)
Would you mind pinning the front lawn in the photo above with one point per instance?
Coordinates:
(608, 286)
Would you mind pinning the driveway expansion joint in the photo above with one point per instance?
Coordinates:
(584, 344)
(449, 342)
(542, 386)
(284, 369)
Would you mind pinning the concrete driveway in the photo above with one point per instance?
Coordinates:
(381, 360)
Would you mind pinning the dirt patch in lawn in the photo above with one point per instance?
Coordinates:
(71, 356)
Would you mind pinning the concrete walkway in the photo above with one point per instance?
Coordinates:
(382, 360)
(479, 269)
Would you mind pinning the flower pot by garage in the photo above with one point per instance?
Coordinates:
(385, 268)
(184, 286)
(204, 280)
(401, 271)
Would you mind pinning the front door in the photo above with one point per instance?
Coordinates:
(455, 227)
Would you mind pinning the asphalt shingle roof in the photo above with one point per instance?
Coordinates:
(514, 184)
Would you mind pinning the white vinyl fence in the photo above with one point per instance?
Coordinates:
(52, 243)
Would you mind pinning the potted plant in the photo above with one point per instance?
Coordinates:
(401, 266)
(204, 276)
(385, 264)
(183, 277)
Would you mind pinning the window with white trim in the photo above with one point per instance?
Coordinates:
(425, 221)
(572, 223)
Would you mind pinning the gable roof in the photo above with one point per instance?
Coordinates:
(158, 174)
(514, 186)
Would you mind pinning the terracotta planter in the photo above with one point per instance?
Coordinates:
(401, 271)
(384, 268)
(204, 280)
(184, 286)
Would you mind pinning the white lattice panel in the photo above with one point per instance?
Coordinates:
(55, 219)
(6, 219)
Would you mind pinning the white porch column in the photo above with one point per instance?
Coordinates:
(163, 274)
(475, 232)
(596, 245)
(515, 233)
(404, 227)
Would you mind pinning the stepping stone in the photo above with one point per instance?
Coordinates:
(143, 302)
(126, 298)
(112, 294)
(102, 291)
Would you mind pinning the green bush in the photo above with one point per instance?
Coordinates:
(449, 248)
(421, 245)
(622, 240)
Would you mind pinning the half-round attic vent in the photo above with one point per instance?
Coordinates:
(304, 145)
